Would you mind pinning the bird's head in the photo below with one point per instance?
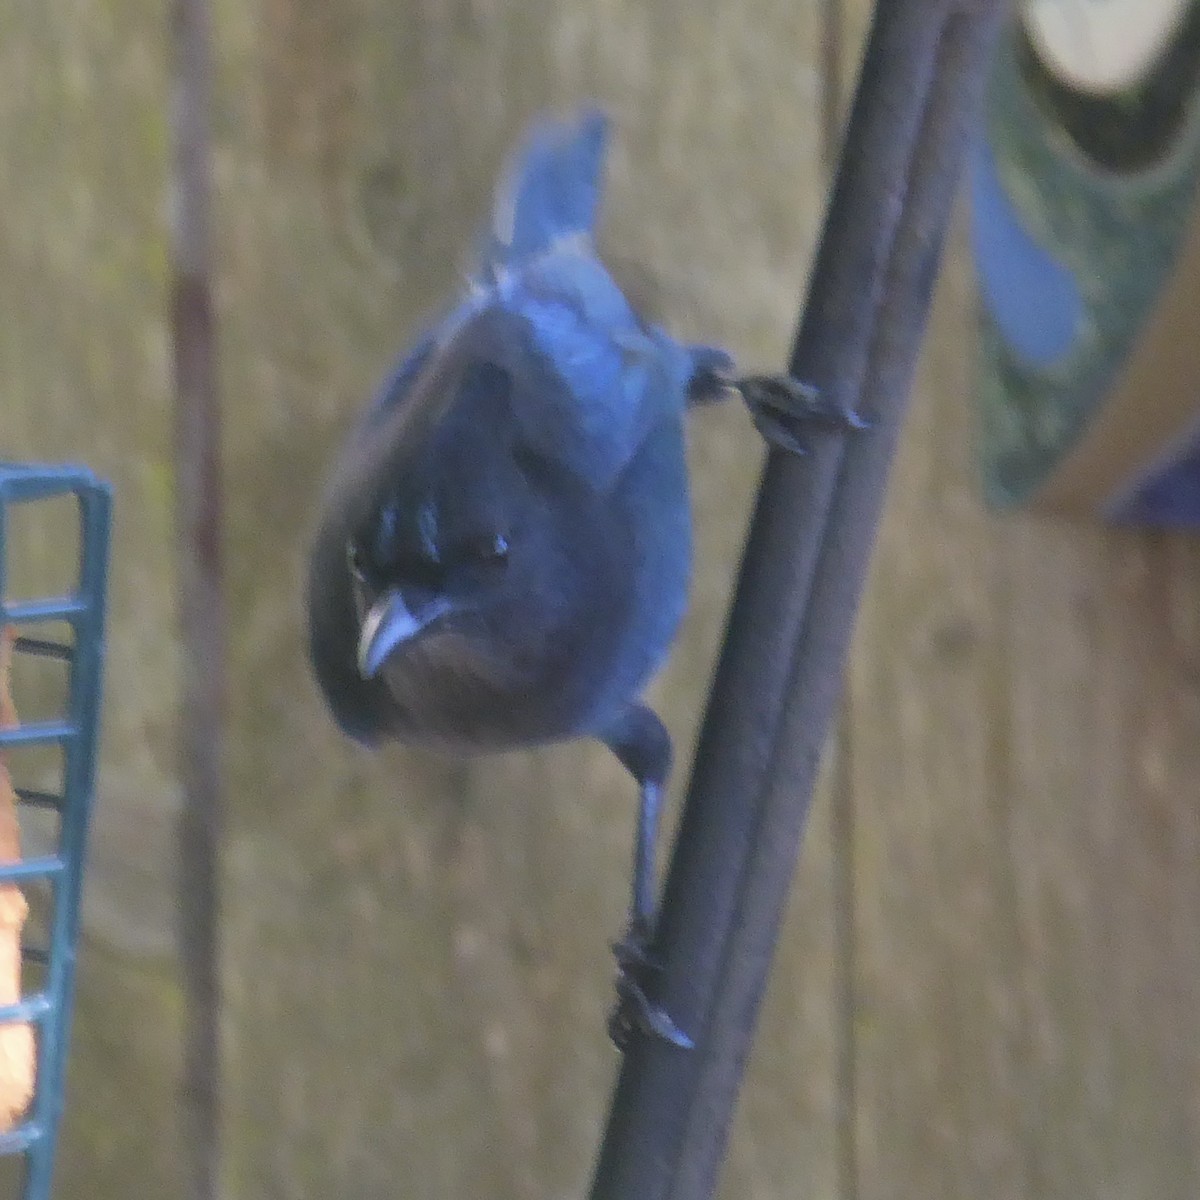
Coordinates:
(421, 567)
(462, 534)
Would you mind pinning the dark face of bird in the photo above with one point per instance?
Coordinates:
(456, 545)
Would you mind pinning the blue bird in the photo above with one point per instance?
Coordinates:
(503, 554)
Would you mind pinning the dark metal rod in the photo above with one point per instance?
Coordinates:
(36, 798)
(44, 648)
(780, 672)
(200, 590)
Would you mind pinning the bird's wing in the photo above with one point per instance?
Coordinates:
(597, 380)
(398, 384)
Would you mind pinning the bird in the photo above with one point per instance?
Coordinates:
(503, 550)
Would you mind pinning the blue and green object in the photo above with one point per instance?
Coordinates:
(74, 733)
(1086, 239)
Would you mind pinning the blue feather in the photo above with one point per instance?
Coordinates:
(550, 192)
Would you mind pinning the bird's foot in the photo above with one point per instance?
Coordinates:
(633, 1011)
(785, 411)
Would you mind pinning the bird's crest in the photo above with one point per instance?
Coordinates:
(549, 193)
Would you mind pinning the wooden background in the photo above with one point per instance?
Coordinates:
(989, 982)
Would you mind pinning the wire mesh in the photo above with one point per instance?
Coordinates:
(73, 735)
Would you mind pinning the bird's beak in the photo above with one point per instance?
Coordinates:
(390, 623)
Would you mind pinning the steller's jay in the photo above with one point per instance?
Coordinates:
(503, 553)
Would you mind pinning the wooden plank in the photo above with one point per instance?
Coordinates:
(82, 376)
(1105, 751)
(936, 1019)
(1023, 742)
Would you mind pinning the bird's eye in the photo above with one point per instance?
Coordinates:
(490, 551)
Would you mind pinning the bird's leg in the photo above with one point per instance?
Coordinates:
(785, 410)
(639, 740)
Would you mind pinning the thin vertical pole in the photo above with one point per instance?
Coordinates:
(201, 604)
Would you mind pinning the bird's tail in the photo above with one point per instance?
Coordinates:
(550, 189)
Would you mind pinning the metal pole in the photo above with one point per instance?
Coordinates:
(779, 677)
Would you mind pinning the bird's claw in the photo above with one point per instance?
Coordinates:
(785, 410)
(633, 1011)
